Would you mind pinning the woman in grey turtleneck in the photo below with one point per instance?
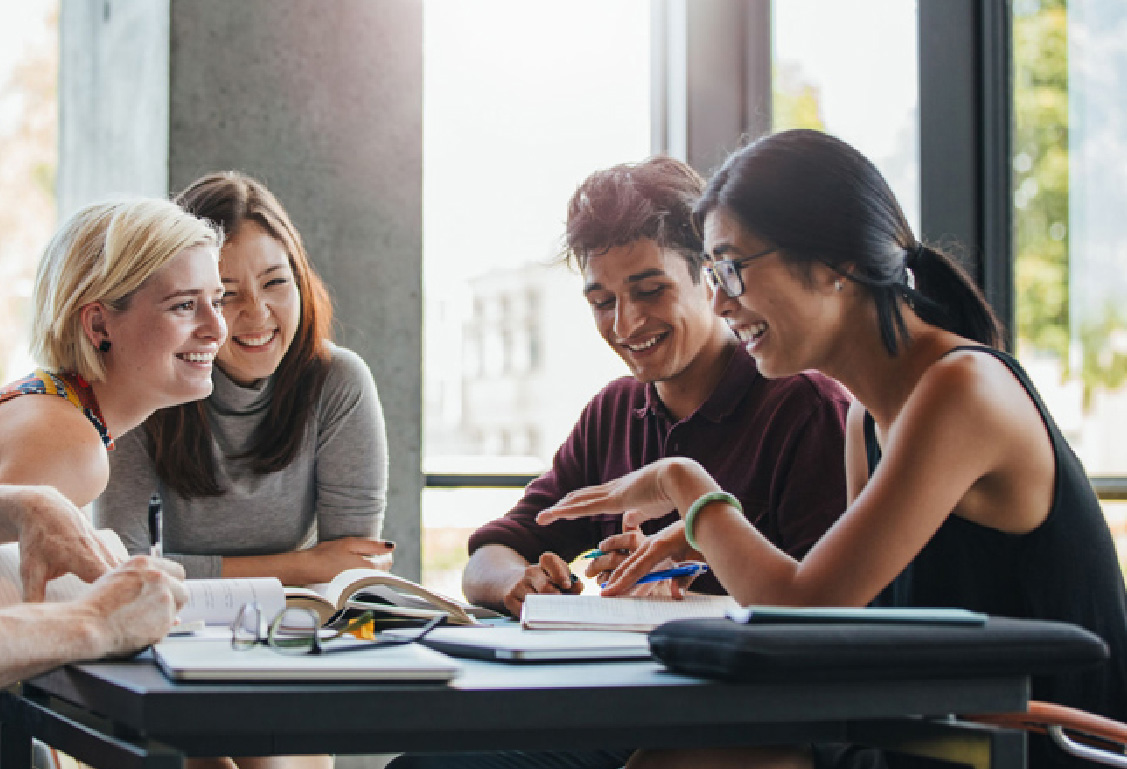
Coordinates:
(282, 471)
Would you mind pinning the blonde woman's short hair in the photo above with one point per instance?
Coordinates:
(103, 253)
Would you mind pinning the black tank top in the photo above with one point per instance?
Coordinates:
(1066, 569)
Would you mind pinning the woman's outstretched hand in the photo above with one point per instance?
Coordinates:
(641, 494)
(662, 550)
(648, 492)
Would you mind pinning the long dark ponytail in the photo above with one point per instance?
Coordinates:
(820, 201)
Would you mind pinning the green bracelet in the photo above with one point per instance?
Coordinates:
(696, 507)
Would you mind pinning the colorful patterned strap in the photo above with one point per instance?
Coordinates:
(70, 386)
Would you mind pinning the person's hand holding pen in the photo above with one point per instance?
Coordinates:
(646, 555)
(550, 574)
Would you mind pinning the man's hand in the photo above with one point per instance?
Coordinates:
(56, 538)
(134, 605)
(550, 575)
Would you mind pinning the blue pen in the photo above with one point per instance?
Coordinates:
(681, 570)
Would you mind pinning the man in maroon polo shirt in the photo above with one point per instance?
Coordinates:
(695, 392)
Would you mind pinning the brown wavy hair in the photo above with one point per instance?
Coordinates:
(180, 438)
(618, 205)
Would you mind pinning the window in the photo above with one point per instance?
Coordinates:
(829, 72)
(1070, 271)
(521, 102)
(29, 66)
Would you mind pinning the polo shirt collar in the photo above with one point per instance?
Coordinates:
(738, 377)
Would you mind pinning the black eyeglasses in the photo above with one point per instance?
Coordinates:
(298, 631)
(725, 273)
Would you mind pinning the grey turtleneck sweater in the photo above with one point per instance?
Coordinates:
(335, 487)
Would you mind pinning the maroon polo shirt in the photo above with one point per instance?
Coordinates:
(778, 445)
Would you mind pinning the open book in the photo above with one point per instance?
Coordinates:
(217, 601)
(597, 612)
(383, 593)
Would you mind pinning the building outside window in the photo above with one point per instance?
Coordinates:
(521, 102)
(827, 75)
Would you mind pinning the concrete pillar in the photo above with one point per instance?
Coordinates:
(323, 102)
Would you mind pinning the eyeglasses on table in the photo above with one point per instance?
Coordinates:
(298, 631)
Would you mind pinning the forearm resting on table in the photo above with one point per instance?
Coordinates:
(37, 637)
(293, 568)
(489, 574)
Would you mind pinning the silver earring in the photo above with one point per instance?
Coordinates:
(839, 284)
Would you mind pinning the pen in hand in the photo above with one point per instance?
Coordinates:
(690, 568)
(597, 553)
(156, 547)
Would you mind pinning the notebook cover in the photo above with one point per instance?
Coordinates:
(215, 660)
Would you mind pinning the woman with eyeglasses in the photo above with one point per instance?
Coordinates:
(962, 490)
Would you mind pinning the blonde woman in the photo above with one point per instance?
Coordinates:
(126, 321)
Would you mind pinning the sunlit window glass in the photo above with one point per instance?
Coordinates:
(29, 68)
(850, 68)
(1070, 152)
(521, 102)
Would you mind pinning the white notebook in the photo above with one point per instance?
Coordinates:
(511, 643)
(597, 612)
(215, 660)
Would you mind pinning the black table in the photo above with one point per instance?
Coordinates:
(128, 714)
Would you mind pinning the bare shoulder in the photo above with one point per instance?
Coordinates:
(46, 440)
(970, 406)
(975, 383)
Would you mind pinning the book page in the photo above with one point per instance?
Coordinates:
(65, 588)
(217, 601)
(349, 588)
(336, 591)
(596, 612)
